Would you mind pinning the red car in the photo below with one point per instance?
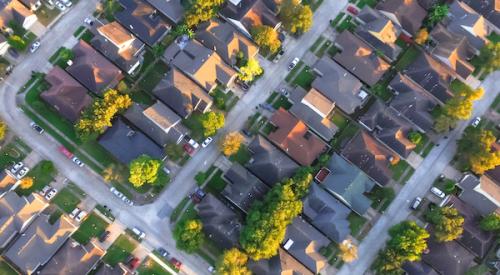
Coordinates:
(176, 263)
(134, 263)
(65, 152)
(188, 148)
(352, 10)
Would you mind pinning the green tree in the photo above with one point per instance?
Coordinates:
(415, 137)
(183, 29)
(201, 11)
(444, 123)
(266, 37)
(476, 152)
(211, 122)
(233, 262)
(438, 12)
(447, 223)
(491, 222)
(188, 235)
(250, 70)
(3, 130)
(16, 42)
(489, 57)
(174, 151)
(297, 18)
(144, 169)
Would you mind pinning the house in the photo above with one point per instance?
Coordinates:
(220, 224)
(33, 5)
(226, 41)
(39, 243)
(68, 97)
(371, 157)
(73, 258)
(200, 63)
(158, 122)
(4, 45)
(247, 14)
(281, 264)
(314, 109)
(359, 59)
(389, 128)
(379, 32)
(126, 143)
(326, 213)
(347, 183)
(447, 257)
(338, 85)
(172, 9)
(431, 75)
(119, 45)
(418, 268)
(182, 94)
(412, 102)
(407, 14)
(269, 163)
(489, 9)
(7, 182)
(13, 10)
(92, 69)
(303, 242)
(244, 188)
(16, 213)
(453, 50)
(293, 137)
(483, 194)
(143, 21)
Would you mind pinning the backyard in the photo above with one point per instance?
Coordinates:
(120, 250)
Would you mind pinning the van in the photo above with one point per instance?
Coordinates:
(416, 203)
(139, 233)
(437, 192)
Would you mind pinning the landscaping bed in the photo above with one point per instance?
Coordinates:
(93, 226)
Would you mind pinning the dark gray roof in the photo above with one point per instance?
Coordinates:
(243, 188)
(490, 9)
(338, 85)
(220, 223)
(127, 144)
(172, 9)
(281, 264)
(474, 198)
(327, 214)
(349, 184)
(447, 257)
(73, 258)
(269, 163)
(251, 13)
(406, 13)
(418, 268)
(465, 21)
(428, 4)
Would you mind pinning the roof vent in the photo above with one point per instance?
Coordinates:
(288, 244)
(130, 133)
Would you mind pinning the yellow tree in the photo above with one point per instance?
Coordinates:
(231, 143)
(476, 152)
(250, 70)
(144, 169)
(266, 37)
(26, 183)
(233, 262)
(447, 223)
(297, 18)
(348, 251)
(211, 122)
(3, 130)
(422, 36)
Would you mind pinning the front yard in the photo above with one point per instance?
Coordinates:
(92, 227)
(13, 152)
(151, 267)
(356, 223)
(304, 78)
(66, 200)
(120, 250)
(43, 173)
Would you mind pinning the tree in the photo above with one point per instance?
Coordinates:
(476, 152)
(174, 151)
(491, 222)
(188, 235)
(415, 137)
(211, 122)
(201, 11)
(422, 36)
(444, 123)
(26, 183)
(183, 29)
(144, 169)
(447, 223)
(3, 130)
(297, 18)
(348, 251)
(266, 37)
(489, 57)
(231, 143)
(233, 262)
(438, 12)
(250, 70)
(16, 42)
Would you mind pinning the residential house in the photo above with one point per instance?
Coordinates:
(338, 85)
(143, 21)
(389, 128)
(7, 182)
(33, 5)
(4, 45)
(428, 4)
(200, 63)
(172, 9)
(347, 183)
(281, 264)
(406, 13)
(182, 94)
(226, 41)
(68, 97)
(92, 69)
(120, 46)
(447, 257)
(293, 137)
(126, 143)
(371, 157)
(244, 188)
(73, 258)
(39, 243)
(327, 213)
(489, 9)
(412, 102)
(14, 11)
(303, 242)
(247, 14)
(314, 109)
(483, 194)
(220, 224)
(158, 122)
(418, 268)
(16, 213)
(269, 163)
(379, 32)
(359, 59)
(431, 75)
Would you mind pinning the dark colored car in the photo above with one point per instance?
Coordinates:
(188, 149)
(104, 236)
(163, 252)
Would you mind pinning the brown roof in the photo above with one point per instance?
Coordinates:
(494, 174)
(117, 34)
(407, 13)
(490, 189)
(293, 136)
(318, 102)
(13, 10)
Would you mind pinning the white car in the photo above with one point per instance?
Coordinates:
(193, 143)
(44, 190)
(67, 3)
(34, 46)
(77, 161)
(294, 63)
(74, 213)
(60, 6)
(22, 172)
(437, 192)
(81, 216)
(206, 142)
(37, 128)
(16, 167)
(116, 192)
(476, 122)
(51, 194)
(88, 21)
(139, 233)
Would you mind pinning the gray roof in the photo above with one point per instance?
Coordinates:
(220, 223)
(281, 264)
(406, 13)
(7, 182)
(243, 188)
(73, 258)
(465, 21)
(338, 85)
(326, 213)
(447, 257)
(474, 198)
(349, 184)
(307, 242)
(172, 9)
(490, 9)
(269, 163)
(251, 13)
(127, 144)
(418, 268)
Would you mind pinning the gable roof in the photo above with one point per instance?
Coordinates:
(172, 9)
(359, 59)
(73, 258)
(14, 10)
(447, 257)
(338, 85)
(465, 21)
(251, 13)
(406, 13)
(489, 9)
(418, 268)
(269, 163)
(281, 264)
(7, 182)
(348, 184)
(65, 94)
(92, 69)
(483, 194)
(243, 188)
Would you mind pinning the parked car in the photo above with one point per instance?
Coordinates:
(416, 203)
(176, 263)
(134, 263)
(278, 56)
(88, 21)
(246, 132)
(74, 213)
(244, 86)
(60, 6)
(188, 149)
(16, 167)
(44, 190)
(294, 63)
(22, 172)
(437, 192)
(104, 236)
(139, 233)
(206, 142)
(285, 92)
(476, 122)
(352, 10)
(35, 46)
(67, 3)
(116, 192)
(51, 194)
(37, 128)
(211, 269)
(81, 216)
(193, 143)
(77, 161)
(163, 252)
(65, 152)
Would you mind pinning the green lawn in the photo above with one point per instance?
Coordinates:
(193, 123)
(189, 214)
(381, 88)
(479, 270)
(46, 15)
(268, 128)
(6, 269)
(493, 37)
(282, 102)
(496, 104)
(242, 156)
(272, 97)
(316, 43)
(345, 135)
(154, 75)
(347, 24)
(323, 49)
(151, 267)
(92, 227)
(399, 169)
(105, 211)
(216, 184)
(340, 120)
(177, 210)
(43, 173)
(66, 200)
(110, 8)
(292, 73)
(54, 216)
(424, 147)
(304, 78)
(458, 87)
(13, 153)
(363, 3)
(79, 31)
(61, 57)
(87, 36)
(381, 197)
(334, 22)
(120, 250)
(356, 222)
(407, 58)
(223, 101)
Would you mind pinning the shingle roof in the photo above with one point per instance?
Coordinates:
(172, 9)
(281, 264)
(465, 21)
(490, 9)
(73, 258)
(251, 13)
(13, 10)
(244, 188)
(476, 192)
(7, 182)
(406, 13)
(447, 257)
(418, 268)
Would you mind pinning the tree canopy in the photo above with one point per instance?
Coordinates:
(422, 36)
(3, 130)
(211, 122)
(489, 57)
(266, 37)
(297, 18)
(250, 70)
(491, 222)
(144, 169)
(233, 262)
(476, 152)
(231, 143)
(188, 235)
(447, 223)
(348, 251)
(201, 11)
(437, 13)
(26, 183)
